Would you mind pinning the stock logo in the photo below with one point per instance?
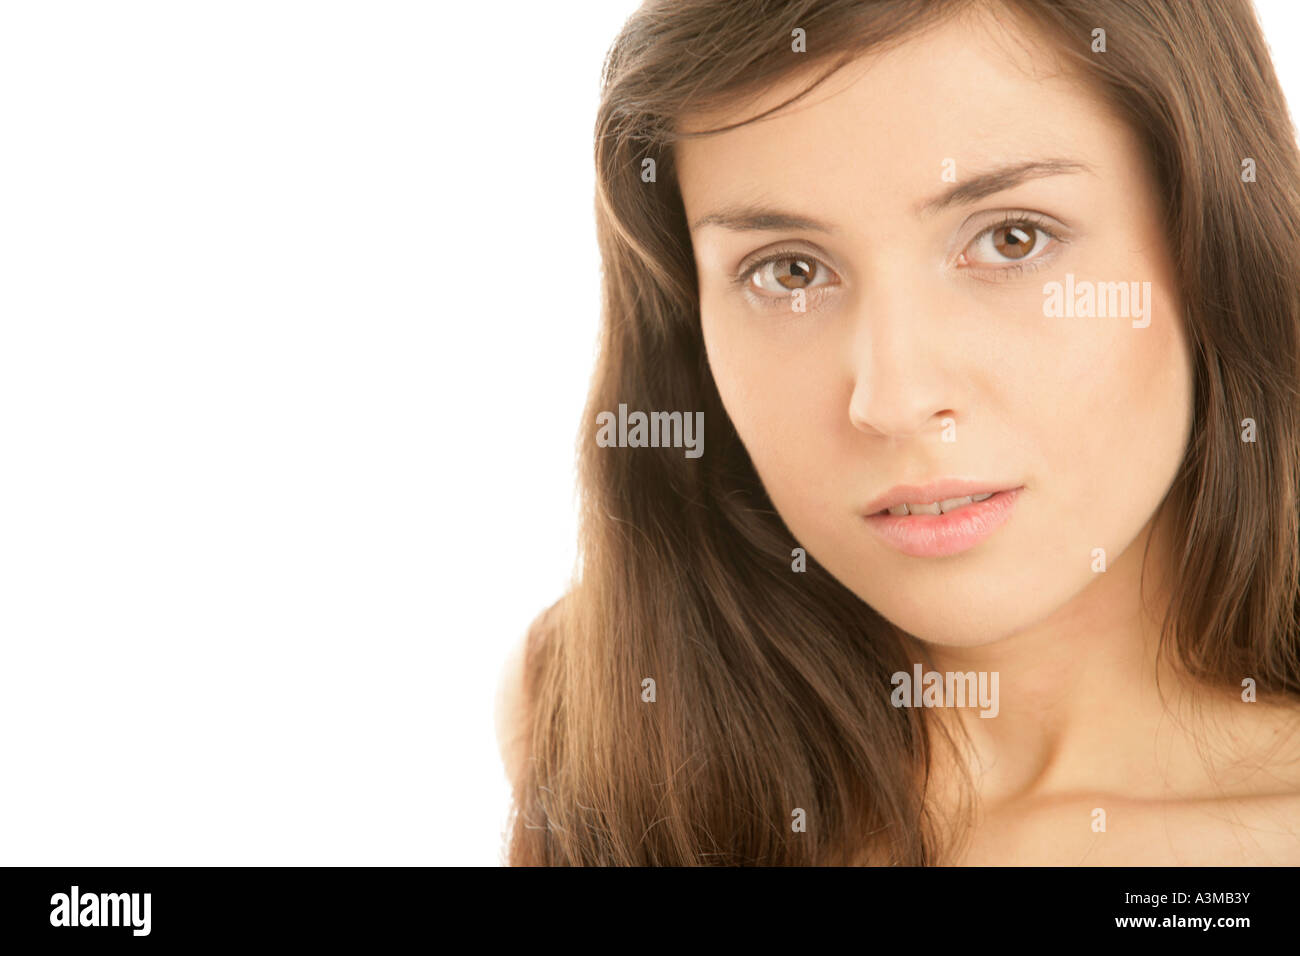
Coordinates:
(101, 909)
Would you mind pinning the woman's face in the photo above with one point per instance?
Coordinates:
(926, 350)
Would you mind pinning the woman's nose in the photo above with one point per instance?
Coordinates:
(905, 368)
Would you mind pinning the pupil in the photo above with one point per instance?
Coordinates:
(798, 270)
(1017, 241)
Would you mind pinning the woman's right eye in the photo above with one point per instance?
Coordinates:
(778, 275)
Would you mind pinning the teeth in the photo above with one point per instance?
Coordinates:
(938, 507)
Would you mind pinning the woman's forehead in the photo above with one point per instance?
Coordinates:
(936, 60)
(882, 130)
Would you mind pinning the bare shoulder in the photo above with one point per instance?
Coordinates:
(1244, 810)
(1247, 812)
(1108, 829)
(1266, 745)
(510, 713)
(1254, 817)
(1262, 830)
(513, 707)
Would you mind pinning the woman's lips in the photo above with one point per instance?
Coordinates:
(934, 536)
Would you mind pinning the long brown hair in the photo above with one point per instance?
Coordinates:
(684, 573)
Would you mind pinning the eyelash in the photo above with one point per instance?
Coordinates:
(1033, 220)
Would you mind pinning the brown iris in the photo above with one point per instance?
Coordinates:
(1013, 241)
(801, 272)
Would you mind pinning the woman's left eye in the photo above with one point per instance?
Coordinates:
(1012, 243)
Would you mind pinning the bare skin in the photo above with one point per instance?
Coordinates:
(916, 320)
(1085, 741)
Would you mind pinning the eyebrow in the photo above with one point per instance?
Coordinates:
(999, 179)
(751, 217)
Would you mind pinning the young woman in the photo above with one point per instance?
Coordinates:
(992, 314)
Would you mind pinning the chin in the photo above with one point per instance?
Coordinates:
(966, 620)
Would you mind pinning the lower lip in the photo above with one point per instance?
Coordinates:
(936, 536)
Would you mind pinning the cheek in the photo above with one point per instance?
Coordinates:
(1152, 405)
(786, 404)
(1117, 428)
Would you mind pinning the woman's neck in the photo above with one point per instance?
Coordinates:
(1080, 707)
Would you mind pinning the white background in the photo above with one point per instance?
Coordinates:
(298, 304)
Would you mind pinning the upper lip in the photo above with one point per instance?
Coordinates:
(940, 490)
